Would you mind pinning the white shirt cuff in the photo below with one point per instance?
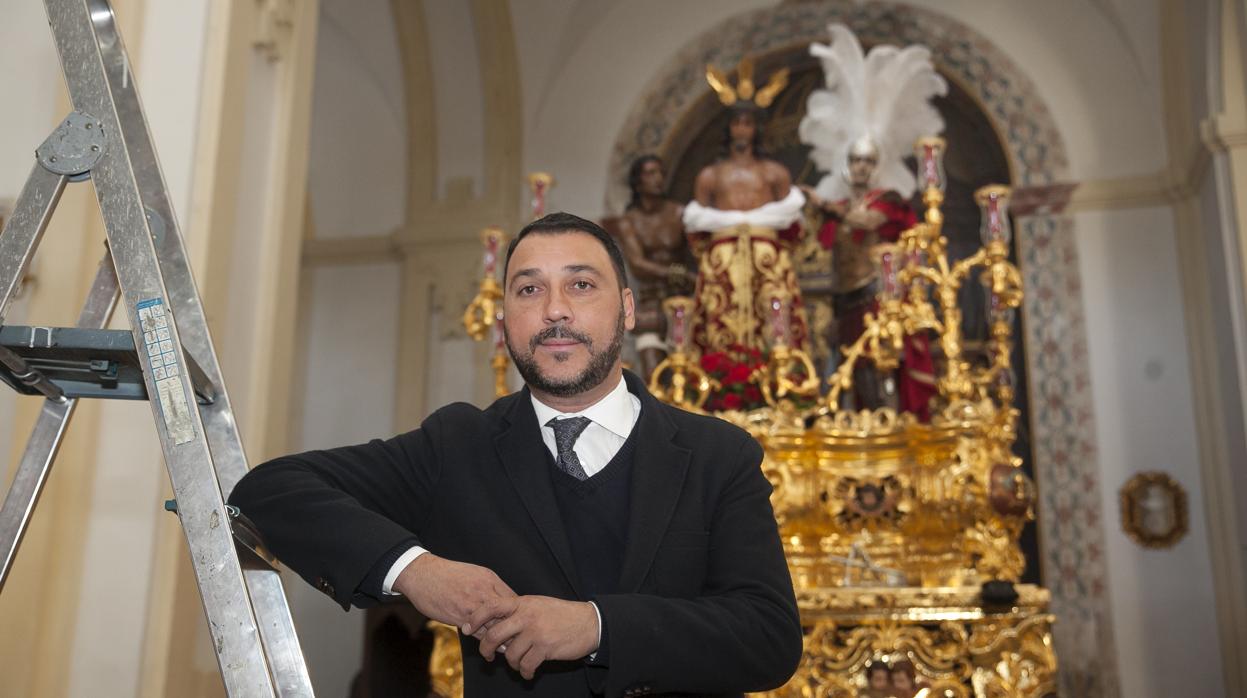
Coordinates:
(415, 551)
(593, 655)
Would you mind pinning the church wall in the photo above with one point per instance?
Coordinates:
(349, 399)
(358, 174)
(1163, 603)
(456, 94)
(1216, 213)
(357, 187)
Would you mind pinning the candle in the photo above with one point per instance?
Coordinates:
(993, 201)
(677, 327)
(491, 239)
(929, 152)
(540, 184)
(491, 255)
(500, 338)
(677, 310)
(887, 274)
(779, 321)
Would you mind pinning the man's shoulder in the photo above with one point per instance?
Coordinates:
(459, 415)
(701, 430)
(774, 169)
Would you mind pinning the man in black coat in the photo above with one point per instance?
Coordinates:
(601, 542)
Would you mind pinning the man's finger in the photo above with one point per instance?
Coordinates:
(486, 612)
(517, 647)
(531, 660)
(502, 632)
(479, 632)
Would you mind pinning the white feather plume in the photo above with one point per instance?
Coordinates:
(884, 95)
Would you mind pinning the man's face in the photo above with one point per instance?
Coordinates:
(564, 312)
(861, 169)
(742, 129)
(652, 178)
(878, 679)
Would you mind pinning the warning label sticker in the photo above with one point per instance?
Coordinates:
(174, 405)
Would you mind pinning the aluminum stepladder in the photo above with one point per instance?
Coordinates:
(106, 140)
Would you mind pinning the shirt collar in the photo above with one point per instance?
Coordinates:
(613, 412)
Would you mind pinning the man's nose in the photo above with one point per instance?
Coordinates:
(557, 308)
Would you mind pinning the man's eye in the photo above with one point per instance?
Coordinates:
(582, 285)
(527, 290)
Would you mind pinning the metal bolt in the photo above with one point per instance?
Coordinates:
(90, 125)
(95, 149)
(52, 159)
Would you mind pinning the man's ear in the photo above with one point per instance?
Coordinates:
(629, 306)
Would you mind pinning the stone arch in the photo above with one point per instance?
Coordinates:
(1071, 528)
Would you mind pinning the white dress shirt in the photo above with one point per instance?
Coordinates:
(611, 421)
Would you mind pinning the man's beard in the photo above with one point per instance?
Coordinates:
(599, 367)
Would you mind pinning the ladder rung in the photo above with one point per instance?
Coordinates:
(85, 363)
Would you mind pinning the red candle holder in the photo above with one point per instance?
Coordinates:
(993, 201)
(780, 322)
(929, 151)
(679, 312)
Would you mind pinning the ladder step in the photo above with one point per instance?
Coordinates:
(85, 363)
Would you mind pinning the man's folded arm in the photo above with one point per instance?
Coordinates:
(743, 633)
(342, 517)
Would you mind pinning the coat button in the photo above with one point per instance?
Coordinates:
(323, 585)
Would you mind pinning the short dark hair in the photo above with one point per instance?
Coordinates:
(561, 222)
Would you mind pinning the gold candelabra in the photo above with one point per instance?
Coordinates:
(483, 311)
(677, 379)
(918, 294)
(789, 371)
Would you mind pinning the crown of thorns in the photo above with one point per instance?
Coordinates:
(745, 90)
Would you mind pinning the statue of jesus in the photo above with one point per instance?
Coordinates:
(744, 216)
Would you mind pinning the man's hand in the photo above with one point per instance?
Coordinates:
(531, 629)
(449, 591)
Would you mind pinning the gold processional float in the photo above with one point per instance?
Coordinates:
(902, 537)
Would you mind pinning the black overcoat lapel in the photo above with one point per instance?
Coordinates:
(658, 473)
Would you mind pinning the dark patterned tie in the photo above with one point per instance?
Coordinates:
(566, 431)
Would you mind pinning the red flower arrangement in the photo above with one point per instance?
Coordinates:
(732, 369)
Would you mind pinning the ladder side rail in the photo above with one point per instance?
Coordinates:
(227, 452)
(231, 621)
(25, 227)
(269, 603)
(48, 432)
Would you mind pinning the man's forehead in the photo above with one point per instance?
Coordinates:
(557, 250)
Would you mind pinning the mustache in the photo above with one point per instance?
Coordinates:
(558, 332)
